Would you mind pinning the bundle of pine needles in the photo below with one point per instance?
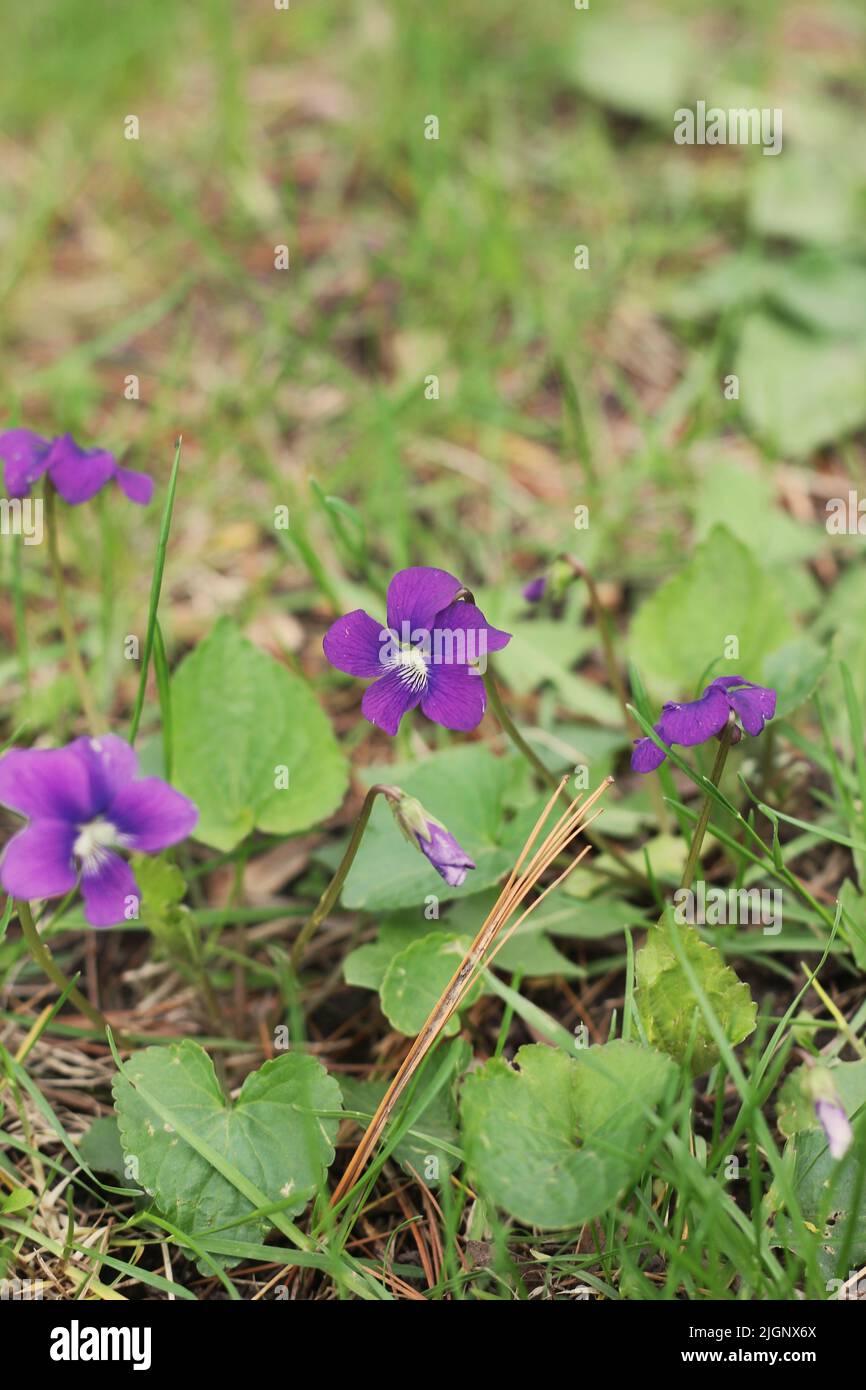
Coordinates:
(499, 925)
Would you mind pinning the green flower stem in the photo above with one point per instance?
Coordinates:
(332, 892)
(509, 728)
(614, 675)
(85, 692)
(704, 818)
(603, 626)
(46, 962)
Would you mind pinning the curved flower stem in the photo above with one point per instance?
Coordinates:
(88, 702)
(703, 820)
(509, 728)
(46, 962)
(332, 892)
(603, 627)
(580, 571)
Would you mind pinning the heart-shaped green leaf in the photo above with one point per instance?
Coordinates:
(252, 748)
(209, 1163)
(554, 1140)
(686, 625)
(417, 976)
(669, 1010)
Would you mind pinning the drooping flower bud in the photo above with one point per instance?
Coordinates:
(819, 1087)
(429, 835)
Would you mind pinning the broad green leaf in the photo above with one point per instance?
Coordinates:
(640, 68)
(101, 1149)
(240, 720)
(365, 967)
(805, 198)
(555, 1140)
(721, 592)
(416, 977)
(592, 920)
(794, 672)
(273, 1135)
(544, 652)
(798, 392)
(466, 788)
(670, 1012)
(824, 292)
(747, 501)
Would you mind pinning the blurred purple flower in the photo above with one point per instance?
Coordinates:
(697, 720)
(534, 591)
(78, 474)
(431, 652)
(83, 802)
(836, 1126)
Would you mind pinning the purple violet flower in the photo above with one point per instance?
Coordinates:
(431, 653)
(697, 720)
(78, 474)
(836, 1127)
(430, 836)
(83, 802)
(534, 591)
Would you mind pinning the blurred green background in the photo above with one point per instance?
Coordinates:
(413, 258)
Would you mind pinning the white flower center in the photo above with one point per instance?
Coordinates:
(411, 667)
(93, 843)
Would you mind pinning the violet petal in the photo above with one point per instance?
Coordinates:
(455, 697)
(38, 863)
(836, 1126)
(111, 763)
(445, 854)
(45, 783)
(462, 631)
(694, 721)
(78, 473)
(138, 487)
(107, 891)
(754, 705)
(26, 457)
(354, 644)
(415, 596)
(647, 756)
(151, 815)
(387, 700)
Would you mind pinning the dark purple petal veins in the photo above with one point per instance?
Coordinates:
(388, 699)
(454, 697)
